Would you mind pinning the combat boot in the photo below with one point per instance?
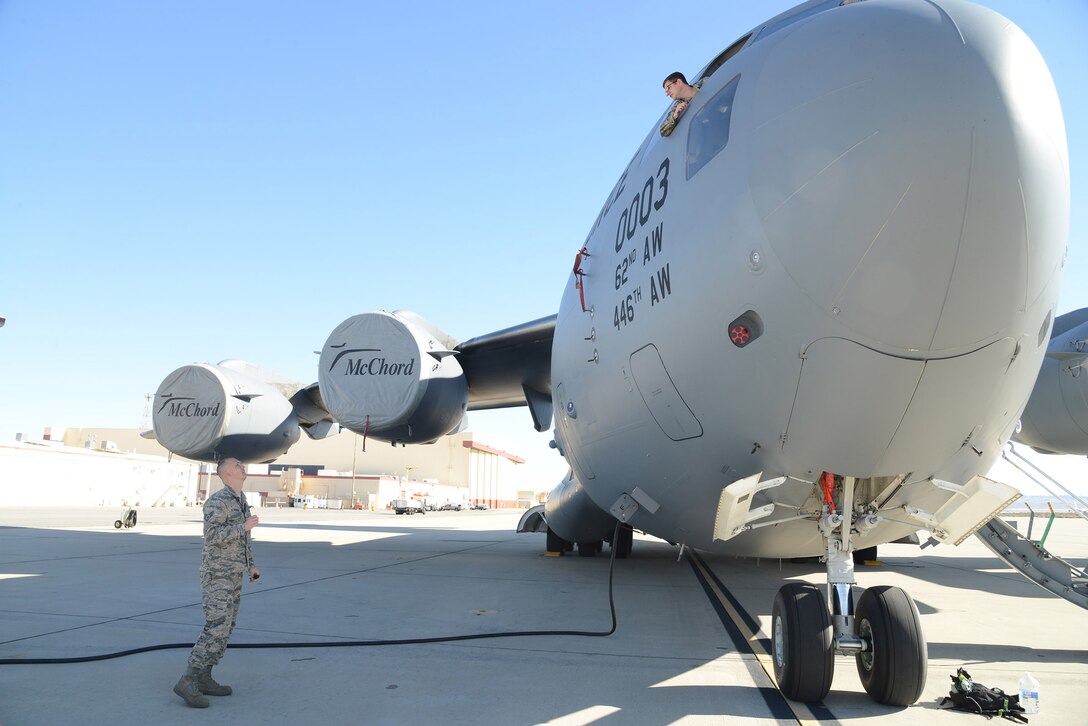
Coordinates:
(187, 689)
(207, 685)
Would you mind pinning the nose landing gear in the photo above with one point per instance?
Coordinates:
(884, 634)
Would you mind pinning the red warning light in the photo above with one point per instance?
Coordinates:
(745, 328)
(740, 335)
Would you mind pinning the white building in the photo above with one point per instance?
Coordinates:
(111, 467)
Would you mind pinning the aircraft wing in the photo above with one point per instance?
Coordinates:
(511, 367)
(391, 376)
(1071, 360)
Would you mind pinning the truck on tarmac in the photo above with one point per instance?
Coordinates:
(407, 506)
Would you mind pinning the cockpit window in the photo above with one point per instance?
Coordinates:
(724, 56)
(709, 130)
(799, 14)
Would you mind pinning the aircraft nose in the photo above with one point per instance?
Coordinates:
(912, 175)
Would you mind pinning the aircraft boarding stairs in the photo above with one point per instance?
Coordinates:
(1029, 557)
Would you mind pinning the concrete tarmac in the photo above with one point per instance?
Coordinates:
(73, 586)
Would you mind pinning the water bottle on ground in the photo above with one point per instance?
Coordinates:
(1029, 693)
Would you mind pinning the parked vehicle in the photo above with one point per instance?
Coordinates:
(407, 506)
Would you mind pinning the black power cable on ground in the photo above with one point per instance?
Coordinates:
(352, 643)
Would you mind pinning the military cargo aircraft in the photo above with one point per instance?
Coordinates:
(804, 324)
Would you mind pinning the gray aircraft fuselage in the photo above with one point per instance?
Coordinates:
(846, 259)
(842, 266)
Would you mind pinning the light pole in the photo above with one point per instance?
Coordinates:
(354, 452)
(407, 477)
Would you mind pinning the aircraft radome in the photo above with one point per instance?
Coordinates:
(805, 323)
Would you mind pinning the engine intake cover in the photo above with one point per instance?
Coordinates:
(205, 412)
(393, 377)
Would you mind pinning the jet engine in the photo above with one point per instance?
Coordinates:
(1056, 418)
(207, 412)
(394, 377)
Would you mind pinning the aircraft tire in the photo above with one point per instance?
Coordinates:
(555, 543)
(625, 539)
(804, 662)
(868, 553)
(893, 672)
(588, 549)
(117, 524)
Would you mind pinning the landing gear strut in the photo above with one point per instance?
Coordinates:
(884, 634)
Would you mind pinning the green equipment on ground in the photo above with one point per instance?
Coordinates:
(128, 518)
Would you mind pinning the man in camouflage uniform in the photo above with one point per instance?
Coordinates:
(227, 555)
(677, 88)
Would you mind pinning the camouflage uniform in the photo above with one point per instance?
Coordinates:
(227, 556)
(669, 123)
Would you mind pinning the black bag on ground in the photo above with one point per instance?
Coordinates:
(966, 695)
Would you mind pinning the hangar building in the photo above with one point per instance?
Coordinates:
(114, 467)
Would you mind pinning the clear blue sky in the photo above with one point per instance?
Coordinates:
(193, 181)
